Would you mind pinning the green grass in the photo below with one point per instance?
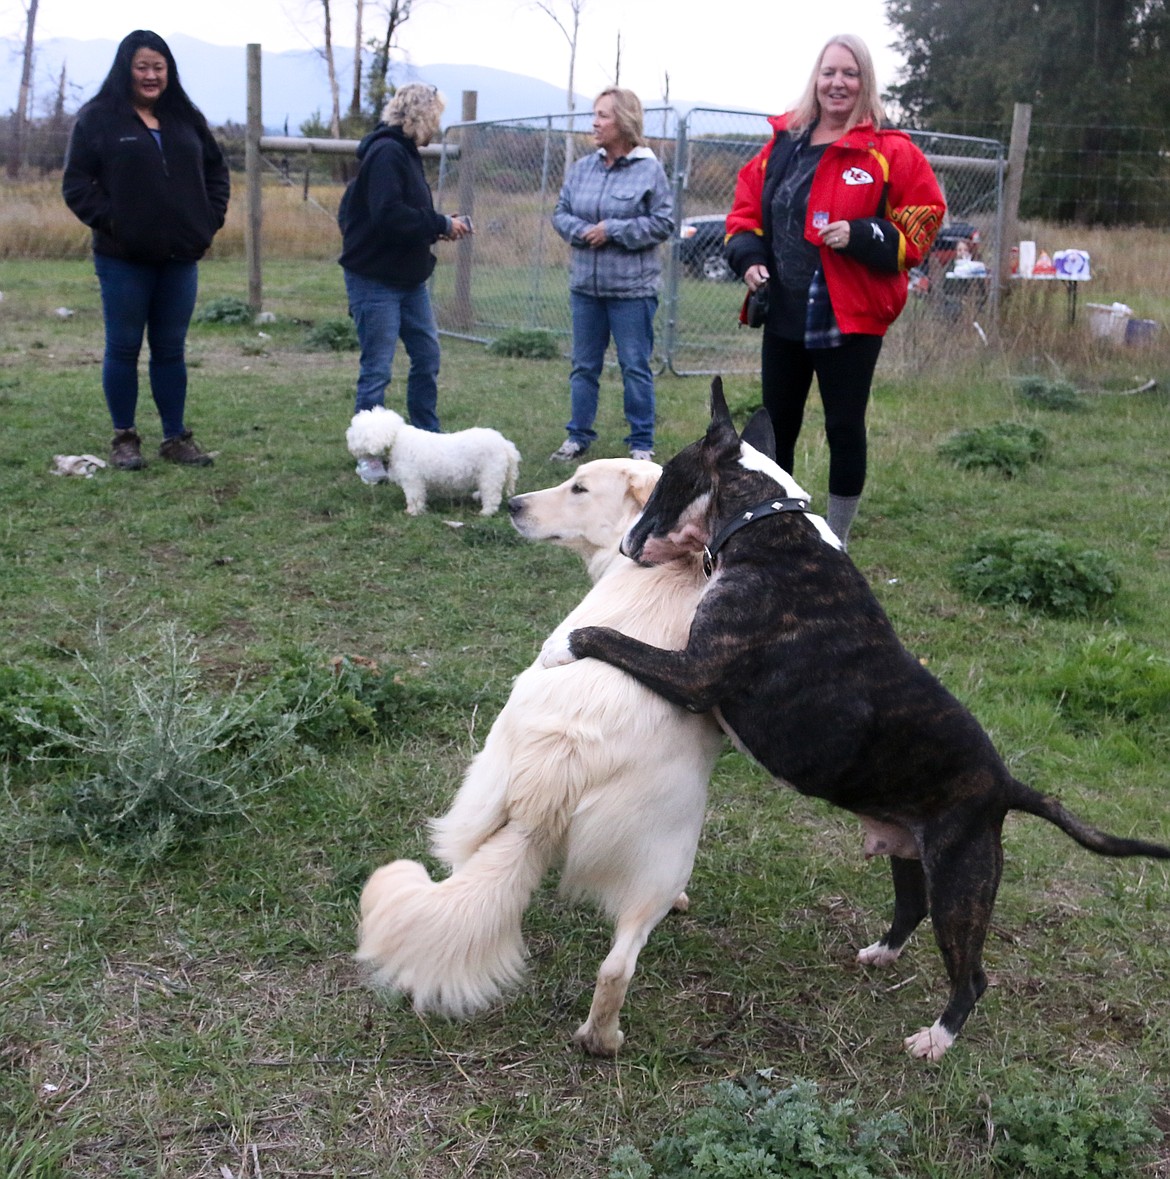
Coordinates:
(203, 1012)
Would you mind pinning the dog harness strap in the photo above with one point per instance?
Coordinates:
(771, 507)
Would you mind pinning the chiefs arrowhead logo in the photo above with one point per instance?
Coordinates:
(856, 176)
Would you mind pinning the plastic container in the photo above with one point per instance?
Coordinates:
(1108, 321)
(1141, 331)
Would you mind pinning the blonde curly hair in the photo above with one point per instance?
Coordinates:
(418, 109)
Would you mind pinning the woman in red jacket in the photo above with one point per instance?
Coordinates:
(831, 214)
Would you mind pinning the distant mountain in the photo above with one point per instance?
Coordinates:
(294, 85)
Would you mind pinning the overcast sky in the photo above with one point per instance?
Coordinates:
(755, 55)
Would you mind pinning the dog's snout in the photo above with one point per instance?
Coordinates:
(515, 505)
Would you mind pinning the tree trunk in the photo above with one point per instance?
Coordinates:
(334, 92)
(355, 98)
(20, 115)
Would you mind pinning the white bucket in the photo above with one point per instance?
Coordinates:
(1107, 321)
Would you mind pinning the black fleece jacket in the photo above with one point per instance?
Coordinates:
(387, 215)
(142, 203)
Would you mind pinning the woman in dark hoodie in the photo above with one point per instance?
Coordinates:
(144, 172)
(388, 225)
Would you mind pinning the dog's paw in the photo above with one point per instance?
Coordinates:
(682, 903)
(879, 954)
(598, 1043)
(929, 1043)
(556, 651)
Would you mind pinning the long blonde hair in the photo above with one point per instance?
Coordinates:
(418, 109)
(869, 104)
(627, 114)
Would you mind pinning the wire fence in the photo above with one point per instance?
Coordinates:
(513, 274)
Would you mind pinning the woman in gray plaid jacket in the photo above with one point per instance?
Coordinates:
(614, 210)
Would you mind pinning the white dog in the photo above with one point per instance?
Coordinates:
(479, 460)
(583, 765)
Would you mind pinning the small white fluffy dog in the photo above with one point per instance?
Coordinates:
(479, 460)
(583, 766)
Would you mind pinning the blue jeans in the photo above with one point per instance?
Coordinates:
(631, 324)
(156, 298)
(382, 314)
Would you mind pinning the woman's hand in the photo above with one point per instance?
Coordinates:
(595, 236)
(755, 276)
(835, 235)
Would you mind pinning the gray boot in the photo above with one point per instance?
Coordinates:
(842, 509)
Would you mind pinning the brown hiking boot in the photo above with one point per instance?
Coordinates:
(126, 451)
(184, 449)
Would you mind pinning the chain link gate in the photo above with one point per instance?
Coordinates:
(513, 274)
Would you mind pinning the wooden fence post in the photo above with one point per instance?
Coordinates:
(252, 172)
(1017, 153)
(462, 313)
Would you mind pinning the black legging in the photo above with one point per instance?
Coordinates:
(844, 375)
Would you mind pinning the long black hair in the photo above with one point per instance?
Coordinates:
(117, 89)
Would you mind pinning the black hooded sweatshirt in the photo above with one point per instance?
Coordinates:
(145, 203)
(387, 215)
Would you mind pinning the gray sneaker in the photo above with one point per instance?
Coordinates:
(568, 451)
(372, 470)
(642, 455)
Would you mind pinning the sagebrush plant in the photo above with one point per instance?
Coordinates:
(751, 1130)
(1008, 447)
(149, 758)
(1036, 569)
(1077, 1131)
(526, 343)
(332, 335)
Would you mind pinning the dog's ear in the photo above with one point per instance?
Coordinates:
(719, 412)
(721, 434)
(642, 483)
(759, 434)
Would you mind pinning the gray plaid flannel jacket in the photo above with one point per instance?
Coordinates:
(633, 199)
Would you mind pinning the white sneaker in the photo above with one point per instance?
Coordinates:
(643, 455)
(372, 470)
(568, 451)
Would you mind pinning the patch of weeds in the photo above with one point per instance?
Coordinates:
(26, 691)
(350, 698)
(527, 344)
(226, 309)
(1076, 1131)
(1047, 393)
(1003, 446)
(1111, 677)
(150, 760)
(751, 1131)
(332, 335)
(1035, 569)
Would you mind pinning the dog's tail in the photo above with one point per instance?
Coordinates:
(1044, 806)
(513, 470)
(453, 945)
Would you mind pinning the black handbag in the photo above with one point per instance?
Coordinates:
(754, 311)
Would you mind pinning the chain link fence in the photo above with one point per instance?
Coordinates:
(513, 274)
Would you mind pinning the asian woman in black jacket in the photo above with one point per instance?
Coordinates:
(144, 172)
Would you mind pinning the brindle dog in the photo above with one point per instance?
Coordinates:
(791, 647)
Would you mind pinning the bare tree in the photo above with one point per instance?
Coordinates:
(355, 97)
(16, 147)
(570, 27)
(617, 65)
(396, 13)
(334, 92)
